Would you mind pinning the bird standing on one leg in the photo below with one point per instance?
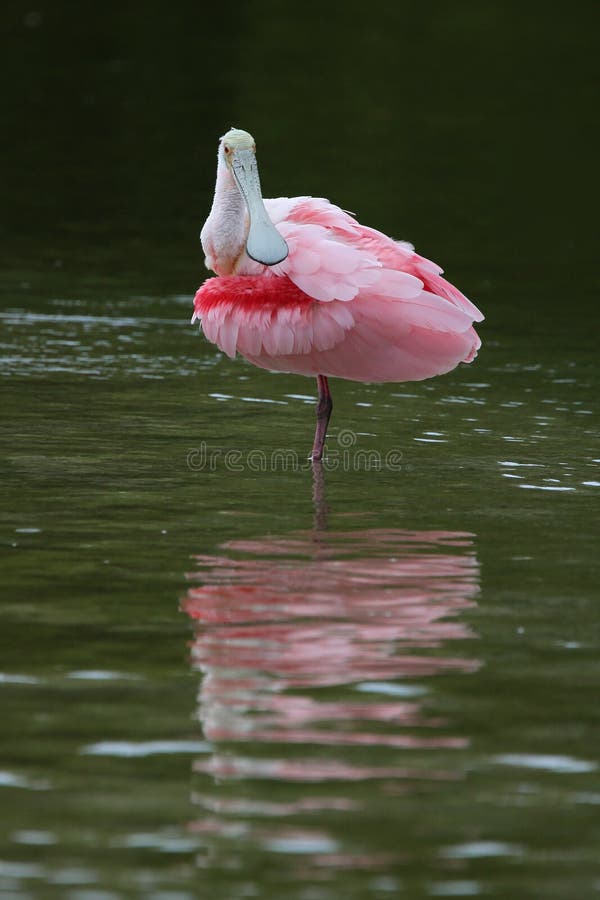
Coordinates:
(302, 287)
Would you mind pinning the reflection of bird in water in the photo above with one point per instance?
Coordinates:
(282, 622)
(304, 288)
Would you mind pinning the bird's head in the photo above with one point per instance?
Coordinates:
(235, 141)
(237, 151)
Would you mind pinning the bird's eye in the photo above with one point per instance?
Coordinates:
(226, 148)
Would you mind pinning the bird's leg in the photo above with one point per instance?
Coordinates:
(324, 407)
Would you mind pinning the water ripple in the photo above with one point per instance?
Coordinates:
(547, 763)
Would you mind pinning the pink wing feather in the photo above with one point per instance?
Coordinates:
(347, 301)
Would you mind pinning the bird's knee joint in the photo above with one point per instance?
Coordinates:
(324, 407)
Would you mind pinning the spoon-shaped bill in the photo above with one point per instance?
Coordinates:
(264, 243)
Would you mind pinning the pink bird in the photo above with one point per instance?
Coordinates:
(302, 287)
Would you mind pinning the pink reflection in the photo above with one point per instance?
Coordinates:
(279, 620)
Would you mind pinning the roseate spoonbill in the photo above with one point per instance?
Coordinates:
(302, 287)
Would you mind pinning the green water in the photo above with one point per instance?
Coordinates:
(225, 675)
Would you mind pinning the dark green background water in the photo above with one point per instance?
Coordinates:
(251, 683)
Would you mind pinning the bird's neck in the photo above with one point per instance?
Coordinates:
(225, 231)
